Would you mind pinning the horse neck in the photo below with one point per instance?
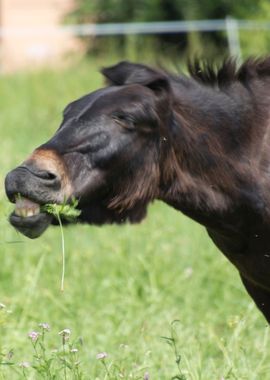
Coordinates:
(207, 168)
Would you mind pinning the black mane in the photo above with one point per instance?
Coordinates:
(228, 72)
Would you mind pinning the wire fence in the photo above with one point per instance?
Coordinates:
(229, 25)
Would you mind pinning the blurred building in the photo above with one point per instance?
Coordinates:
(29, 33)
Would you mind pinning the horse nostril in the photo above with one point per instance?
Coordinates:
(52, 176)
(47, 178)
(46, 175)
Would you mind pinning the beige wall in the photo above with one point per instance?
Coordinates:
(31, 38)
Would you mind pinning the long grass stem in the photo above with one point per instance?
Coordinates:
(63, 253)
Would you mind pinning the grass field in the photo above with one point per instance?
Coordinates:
(124, 286)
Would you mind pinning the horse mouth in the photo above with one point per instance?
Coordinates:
(28, 218)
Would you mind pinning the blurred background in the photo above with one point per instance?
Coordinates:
(124, 286)
(52, 32)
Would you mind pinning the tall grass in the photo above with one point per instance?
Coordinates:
(124, 286)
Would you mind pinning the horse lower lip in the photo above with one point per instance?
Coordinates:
(32, 226)
(25, 219)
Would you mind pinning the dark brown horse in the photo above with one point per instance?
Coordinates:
(199, 143)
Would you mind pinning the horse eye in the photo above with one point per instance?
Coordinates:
(124, 120)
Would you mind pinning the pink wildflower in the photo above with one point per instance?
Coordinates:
(65, 335)
(102, 355)
(24, 365)
(44, 326)
(65, 332)
(33, 335)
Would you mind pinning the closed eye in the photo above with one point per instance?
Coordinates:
(142, 120)
(124, 120)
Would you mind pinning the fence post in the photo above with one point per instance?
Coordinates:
(232, 31)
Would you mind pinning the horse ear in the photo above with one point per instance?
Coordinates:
(152, 79)
(116, 75)
(134, 73)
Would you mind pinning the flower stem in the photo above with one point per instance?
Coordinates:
(106, 369)
(64, 351)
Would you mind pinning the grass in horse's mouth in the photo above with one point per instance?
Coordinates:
(26, 208)
(69, 212)
(64, 210)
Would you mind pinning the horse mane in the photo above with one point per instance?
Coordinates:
(228, 72)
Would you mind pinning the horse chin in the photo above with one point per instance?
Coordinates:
(31, 226)
(99, 214)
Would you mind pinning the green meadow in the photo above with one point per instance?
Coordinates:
(158, 298)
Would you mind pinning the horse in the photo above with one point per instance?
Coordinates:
(200, 142)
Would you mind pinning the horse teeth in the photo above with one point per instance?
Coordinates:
(26, 208)
(36, 210)
(19, 212)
